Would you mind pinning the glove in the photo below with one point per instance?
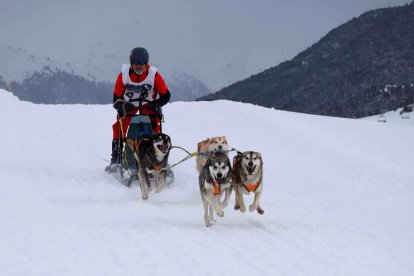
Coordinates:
(123, 107)
(155, 106)
(118, 104)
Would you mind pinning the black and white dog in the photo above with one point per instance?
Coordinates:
(152, 158)
(215, 178)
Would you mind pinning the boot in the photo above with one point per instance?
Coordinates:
(114, 157)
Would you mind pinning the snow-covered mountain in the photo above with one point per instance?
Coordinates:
(216, 42)
(338, 196)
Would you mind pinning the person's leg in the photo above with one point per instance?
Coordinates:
(156, 124)
(116, 143)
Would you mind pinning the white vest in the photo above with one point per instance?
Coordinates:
(149, 81)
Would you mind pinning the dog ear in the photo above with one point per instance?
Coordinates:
(208, 163)
(259, 155)
(228, 163)
(230, 174)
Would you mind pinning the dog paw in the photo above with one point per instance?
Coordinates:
(220, 213)
(252, 208)
(236, 207)
(242, 208)
(159, 188)
(260, 210)
(144, 196)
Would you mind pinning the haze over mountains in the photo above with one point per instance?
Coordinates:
(206, 44)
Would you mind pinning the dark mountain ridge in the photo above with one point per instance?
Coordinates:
(361, 68)
(56, 86)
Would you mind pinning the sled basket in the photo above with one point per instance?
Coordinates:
(140, 126)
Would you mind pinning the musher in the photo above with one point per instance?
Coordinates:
(138, 73)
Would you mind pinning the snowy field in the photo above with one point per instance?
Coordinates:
(394, 117)
(338, 196)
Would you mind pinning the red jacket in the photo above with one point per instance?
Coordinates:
(160, 89)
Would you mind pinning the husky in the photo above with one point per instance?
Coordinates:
(248, 177)
(210, 145)
(151, 155)
(215, 177)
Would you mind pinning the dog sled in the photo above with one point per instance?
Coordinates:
(139, 130)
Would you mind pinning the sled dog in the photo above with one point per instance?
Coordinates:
(152, 158)
(248, 177)
(214, 144)
(215, 177)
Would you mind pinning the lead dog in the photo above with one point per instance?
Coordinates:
(152, 158)
(215, 177)
(248, 177)
(209, 146)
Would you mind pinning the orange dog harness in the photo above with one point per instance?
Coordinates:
(252, 187)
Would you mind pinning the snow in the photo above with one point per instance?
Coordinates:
(338, 196)
(394, 117)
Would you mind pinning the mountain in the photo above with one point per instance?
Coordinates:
(54, 86)
(361, 68)
(215, 43)
(338, 196)
(60, 87)
(42, 79)
(3, 84)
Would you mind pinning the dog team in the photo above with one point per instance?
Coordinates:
(217, 176)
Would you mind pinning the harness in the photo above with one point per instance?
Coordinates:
(202, 154)
(248, 187)
(251, 187)
(137, 143)
(217, 187)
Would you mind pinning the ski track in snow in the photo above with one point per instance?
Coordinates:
(338, 196)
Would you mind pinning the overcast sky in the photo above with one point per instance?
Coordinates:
(218, 42)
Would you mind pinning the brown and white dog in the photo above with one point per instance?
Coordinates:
(215, 177)
(151, 155)
(248, 178)
(210, 145)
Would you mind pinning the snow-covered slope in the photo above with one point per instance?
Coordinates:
(218, 42)
(399, 116)
(338, 196)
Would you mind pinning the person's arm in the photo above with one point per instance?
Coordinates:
(119, 89)
(162, 90)
(119, 103)
(164, 99)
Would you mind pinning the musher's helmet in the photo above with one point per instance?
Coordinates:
(139, 56)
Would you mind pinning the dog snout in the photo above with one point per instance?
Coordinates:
(250, 163)
(220, 147)
(219, 175)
